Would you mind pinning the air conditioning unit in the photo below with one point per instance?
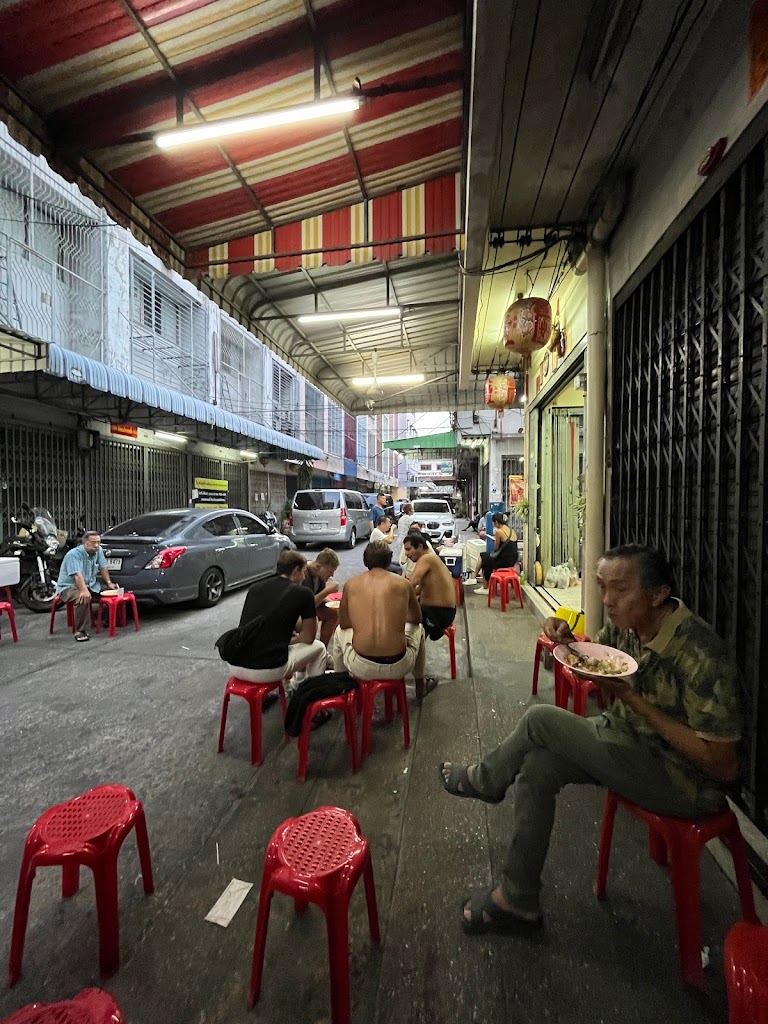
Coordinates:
(580, 381)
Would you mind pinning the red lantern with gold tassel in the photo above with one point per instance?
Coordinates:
(527, 325)
(500, 391)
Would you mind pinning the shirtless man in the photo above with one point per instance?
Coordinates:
(380, 634)
(433, 585)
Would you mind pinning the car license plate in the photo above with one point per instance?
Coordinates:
(114, 563)
(316, 527)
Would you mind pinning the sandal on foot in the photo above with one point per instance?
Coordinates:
(81, 636)
(504, 922)
(458, 784)
(430, 684)
(320, 719)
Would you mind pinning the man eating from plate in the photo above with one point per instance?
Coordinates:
(669, 742)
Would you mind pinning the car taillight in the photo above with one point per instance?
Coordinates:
(165, 559)
(343, 516)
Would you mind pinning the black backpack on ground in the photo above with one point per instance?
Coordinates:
(332, 684)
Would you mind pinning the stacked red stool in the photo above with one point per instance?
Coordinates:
(679, 842)
(318, 858)
(450, 632)
(254, 694)
(502, 580)
(91, 1006)
(347, 704)
(579, 686)
(116, 605)
(393, 689)
(543, 643)
(89, 831)
(7, 607)
(746, 973)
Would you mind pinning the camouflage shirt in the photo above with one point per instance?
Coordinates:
(686, 672)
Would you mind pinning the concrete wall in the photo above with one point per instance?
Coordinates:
(709, 99)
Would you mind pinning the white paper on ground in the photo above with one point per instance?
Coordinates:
(228, 904)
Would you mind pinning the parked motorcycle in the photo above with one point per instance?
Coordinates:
(35, 543)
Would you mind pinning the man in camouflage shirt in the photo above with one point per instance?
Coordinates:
(668, 743)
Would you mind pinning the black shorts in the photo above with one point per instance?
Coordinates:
(436, 620)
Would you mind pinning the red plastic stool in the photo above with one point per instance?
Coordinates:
(543, 643)
(345, 702)
(458, 586)
(56, 604)
(91, 1006)
(5, 606)
(745, 955)
(318, 858)
(501, 580)
(450, 632)
(392, 689)
(87, 830)
(580, 687)
(254, 693)
(117, 605)
(681, 840)
(7, 594)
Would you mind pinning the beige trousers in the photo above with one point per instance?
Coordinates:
(345, 657)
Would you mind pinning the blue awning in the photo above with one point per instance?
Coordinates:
(80, 369)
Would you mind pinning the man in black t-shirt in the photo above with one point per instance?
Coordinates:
(287, 644)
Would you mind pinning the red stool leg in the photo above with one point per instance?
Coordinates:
(70, 878)
(370, 899)
(113, 618)
(350, 717)
(451, 634)
(518, 590)
(260, 941)
(388, 706)
(686, 887)
(145, 859)
(223, 725)
(20, 916)
(135, 611)
(337, 923)
(491, 590)
(105, 875)
(306, 725)
(403, 705)
(254, 707)
(606, 835)
(122, 618)
(54, 605)
(536, 665)
(12, 619)
(738, 849)
(367, 716)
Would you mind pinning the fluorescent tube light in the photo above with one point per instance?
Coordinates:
(163, 435)
(256, 122)
(380, 313)
(402, 378)
(249, 455)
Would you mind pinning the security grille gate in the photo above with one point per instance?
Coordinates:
(688, 433)
(107, 485)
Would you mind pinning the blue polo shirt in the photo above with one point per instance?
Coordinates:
(79, 561)
(376, 514)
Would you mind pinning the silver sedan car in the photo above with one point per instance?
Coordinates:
(191, 554)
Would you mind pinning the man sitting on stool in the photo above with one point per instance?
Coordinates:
(289, 645)
(433, 584)
(385, 532)
(379, 634)
(317, 577)
(78, 582)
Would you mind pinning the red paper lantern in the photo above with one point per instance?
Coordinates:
(527, 325)
(500, 391)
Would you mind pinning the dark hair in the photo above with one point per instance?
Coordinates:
(499, 517)
(377, 555)
(382, 518)
(655, 571)
(407, 507)
(416, 540)
(289, 560)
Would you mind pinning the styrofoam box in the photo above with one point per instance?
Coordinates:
(9, 571)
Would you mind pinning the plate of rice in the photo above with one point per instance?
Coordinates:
(595, 660)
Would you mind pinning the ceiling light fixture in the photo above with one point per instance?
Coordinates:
(402, 378)
(256, 122)
(380, 313)
(163, 435)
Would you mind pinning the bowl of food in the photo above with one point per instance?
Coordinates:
(595, 660)
(333, 604)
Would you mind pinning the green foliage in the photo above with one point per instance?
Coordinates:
(523, 509)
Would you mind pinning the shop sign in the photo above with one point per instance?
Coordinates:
(210, 493)
(123, 429)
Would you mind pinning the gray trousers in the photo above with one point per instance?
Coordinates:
(551, 748)
(82, 611)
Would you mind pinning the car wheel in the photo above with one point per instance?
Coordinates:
(352, 539)
(300, 545)
(210, 588)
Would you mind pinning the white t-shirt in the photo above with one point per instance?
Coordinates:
(404, 525)
(377, 534)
